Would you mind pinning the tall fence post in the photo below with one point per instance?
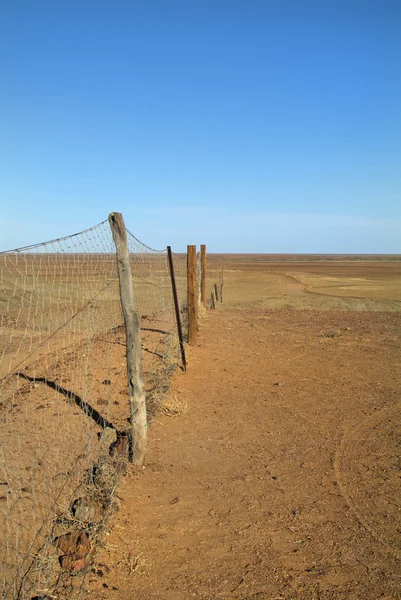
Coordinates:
(136, 387)
(192, 296)
(176, 308)
(198, 278)
(203, 274)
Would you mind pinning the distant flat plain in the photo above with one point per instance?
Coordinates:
(305, 281)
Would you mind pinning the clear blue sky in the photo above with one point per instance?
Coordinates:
(251, 126)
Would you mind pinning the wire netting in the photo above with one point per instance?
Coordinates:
(154, 302)
(64, 405)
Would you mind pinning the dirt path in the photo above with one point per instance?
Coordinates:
(280, 482)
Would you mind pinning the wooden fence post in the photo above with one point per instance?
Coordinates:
(176, 308)
(203, 274)
(213, 303)
(198, 279)
(136, 387)
(192, 296)
(216, 293)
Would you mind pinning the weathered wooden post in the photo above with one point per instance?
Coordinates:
(192, 295)
(216, 293)
(198, 278)
(203, 274)
(176, 308)
(136, 387)
(212, 300)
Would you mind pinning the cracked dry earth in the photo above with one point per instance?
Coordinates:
(281, 481)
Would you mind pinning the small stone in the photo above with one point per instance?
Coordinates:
(88, 510)
(108, 436)
(120, 446)
(73, 563)
(74, 543)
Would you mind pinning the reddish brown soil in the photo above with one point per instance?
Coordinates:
(51, 418)
(282, 480)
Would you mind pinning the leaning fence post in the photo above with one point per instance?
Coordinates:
(203, 274)
(216, 293)
(192, 295)
(136, 386)
(176, 308)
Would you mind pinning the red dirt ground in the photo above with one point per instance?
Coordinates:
(282, 480)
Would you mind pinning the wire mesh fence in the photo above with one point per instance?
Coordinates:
(154, 302)
(64, 401)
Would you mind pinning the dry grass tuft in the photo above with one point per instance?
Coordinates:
(202, 311)
(331, 334)
(174, 406)
(159, 374)
(135, 564)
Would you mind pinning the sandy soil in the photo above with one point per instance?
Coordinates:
(52, 416)
(282, 480)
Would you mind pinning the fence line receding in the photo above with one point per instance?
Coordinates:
(64, 396)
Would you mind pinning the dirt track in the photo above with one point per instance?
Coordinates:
(282, 479)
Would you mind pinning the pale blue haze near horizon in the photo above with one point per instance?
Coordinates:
(251, 126)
